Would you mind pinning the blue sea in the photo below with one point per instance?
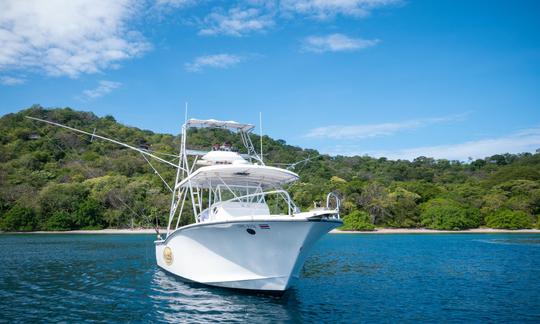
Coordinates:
(348, 278)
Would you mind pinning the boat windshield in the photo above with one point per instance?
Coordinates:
(226, 202)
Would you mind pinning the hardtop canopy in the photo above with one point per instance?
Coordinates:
(239, 175)
(226, 124)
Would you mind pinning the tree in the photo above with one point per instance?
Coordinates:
(89, 215)
(61, 196)
(357, 220)
(60, 221)
(19, 218)
(509, 219)
(426, 190)
(515, 195)
(374, 199)
(402, 208)
(446, 214)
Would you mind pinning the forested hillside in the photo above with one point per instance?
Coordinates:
(54, 179)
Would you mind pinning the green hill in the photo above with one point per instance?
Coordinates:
(54, 179)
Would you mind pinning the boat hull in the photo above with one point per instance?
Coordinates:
(259, 255)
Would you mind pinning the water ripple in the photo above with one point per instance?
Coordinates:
(348, 278)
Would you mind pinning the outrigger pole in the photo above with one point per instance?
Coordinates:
(143, 152)
(94, 135)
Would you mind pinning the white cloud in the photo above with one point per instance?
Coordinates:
(11, 81)
(67, 37)
(174, 3)
(524, 141)
(336, 43)
(104, 87)
(221, 61)
(327, 9)
(236, 22)
(376, 130)
(260, 15)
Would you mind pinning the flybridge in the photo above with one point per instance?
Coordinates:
(242, 129)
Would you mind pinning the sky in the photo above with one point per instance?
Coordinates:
(395, 78)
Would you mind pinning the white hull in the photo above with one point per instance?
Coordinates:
(225, 254)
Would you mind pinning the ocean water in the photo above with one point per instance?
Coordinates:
(348, 278)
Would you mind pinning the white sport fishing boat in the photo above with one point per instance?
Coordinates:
(247, 231)
(236, 240)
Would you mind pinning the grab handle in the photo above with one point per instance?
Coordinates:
(336, 199)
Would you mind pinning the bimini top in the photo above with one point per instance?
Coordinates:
(239, 175)
(227, 124)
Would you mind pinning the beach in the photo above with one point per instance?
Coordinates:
(432, 231)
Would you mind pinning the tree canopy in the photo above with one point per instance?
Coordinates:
(54, 179)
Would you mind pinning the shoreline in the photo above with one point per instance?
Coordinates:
(334, 231)
(434, 231)
(101, 231)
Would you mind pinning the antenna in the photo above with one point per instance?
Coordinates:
(185, 115)
(261, 132)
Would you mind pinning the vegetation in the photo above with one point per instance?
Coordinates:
(509, 219)
(357, 220)
(54, 179)
(447, 214)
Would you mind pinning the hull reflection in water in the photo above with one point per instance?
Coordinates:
(179, 301)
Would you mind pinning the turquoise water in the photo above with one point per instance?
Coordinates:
(348, 278)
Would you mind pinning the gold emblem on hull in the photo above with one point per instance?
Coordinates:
(168, 255)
